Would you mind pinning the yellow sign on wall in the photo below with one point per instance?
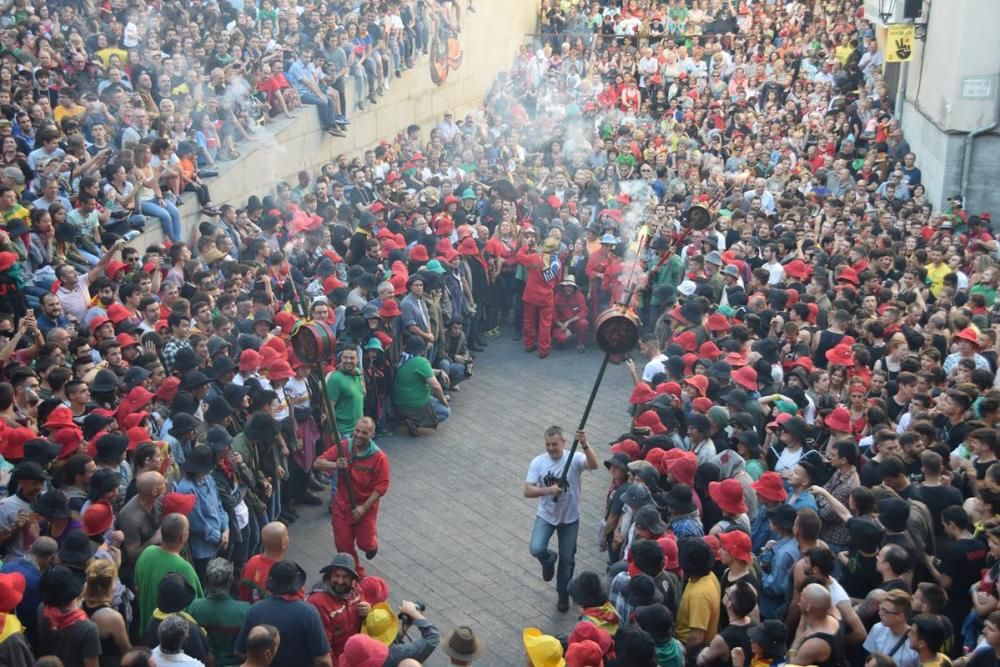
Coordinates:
(899, 42)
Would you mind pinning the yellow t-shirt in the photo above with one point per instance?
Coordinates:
(699, 608)
(935, 275)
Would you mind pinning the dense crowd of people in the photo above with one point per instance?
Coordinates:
(809, 475)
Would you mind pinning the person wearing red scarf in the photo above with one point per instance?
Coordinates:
(65, 631)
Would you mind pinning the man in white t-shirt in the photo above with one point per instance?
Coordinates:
(559, 507)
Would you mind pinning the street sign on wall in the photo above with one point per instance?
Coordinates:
(977, 88)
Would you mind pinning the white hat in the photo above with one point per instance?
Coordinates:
(687, 288)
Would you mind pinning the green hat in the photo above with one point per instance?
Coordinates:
(434, 266)
(787, 406)
(374, 344)
(728, 311)
(468, 194)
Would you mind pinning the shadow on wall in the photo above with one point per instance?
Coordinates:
(490, 38)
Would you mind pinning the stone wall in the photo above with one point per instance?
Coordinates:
(491, 37)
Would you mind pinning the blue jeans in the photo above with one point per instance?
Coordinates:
(454, 369)
(168, 215)
(327, 117)
(441, 411)
(541, 534)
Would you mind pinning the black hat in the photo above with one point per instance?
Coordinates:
(184, 401)
(735, 396)
(700, 422)
(587, 589)
(235, 393)
(174, 593)
(767, 348)
(647, 555)
(659, 243)
(648, 518)
(680, 500)
(893, 513)
(261, 428)
(750, 440)
(720, 370)
(783, 516)
(52, 504)
(642, 591)
(692, 312)
(181, 423)
(771, 636)
(186, 360)
(218, 439)
(41, 450)
(200, 460)
(341, 561)
(110, 446)
(93, 423)
(15, 227)
(134, 376)
(220, 366)
(866, 535)
(102, 481)
(287, 578)
(657, 620)
(263, 315)
(76, 549)
(104, 382)
(218, 409)
(217, 344)
(59, 586)
(637, 495)
(325, 268)
(648, 475)
(797, 427)
(193, 380)
(249, 342)
(27, 469)
(618, 461)
(634, 646)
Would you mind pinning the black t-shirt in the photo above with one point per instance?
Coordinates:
(937, 498)
(963, 560)
(985, 657)
(72, 645)
(895, 409)
(869, 476)
(862, 576)
(735, 636)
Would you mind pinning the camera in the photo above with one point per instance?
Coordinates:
(406, 619)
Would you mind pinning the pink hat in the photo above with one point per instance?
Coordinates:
(363, 651)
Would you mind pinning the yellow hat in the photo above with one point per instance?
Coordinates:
(381, 624)
(543, 650)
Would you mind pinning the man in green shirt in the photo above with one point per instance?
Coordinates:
(412, 387)
(218, 613)
(156, 562)
(346, 390)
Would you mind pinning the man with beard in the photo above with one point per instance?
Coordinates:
(363, 474)
(338, 600)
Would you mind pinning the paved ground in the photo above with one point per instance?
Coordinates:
(454, 527)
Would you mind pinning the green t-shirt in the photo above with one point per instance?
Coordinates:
(410, 390)
(349, 400)
(154, 563)
(222, 619)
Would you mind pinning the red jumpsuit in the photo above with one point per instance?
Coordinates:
(539, 282)
(339, 616)
(368, 475)
(568, 307)
(598, 262)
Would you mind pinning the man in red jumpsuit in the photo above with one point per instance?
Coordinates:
(597, 266)
(339, 602)
(368, 472)
(570, 315)
(542, 271)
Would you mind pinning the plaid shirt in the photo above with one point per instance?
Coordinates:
(688, 525)
(840, 486)
(170, 350)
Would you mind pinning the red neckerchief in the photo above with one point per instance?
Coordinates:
(227, 469)
(60, 620)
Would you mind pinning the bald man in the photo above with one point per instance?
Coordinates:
(31, 565)
(262, 645)
(139, 519)
(253, 580)
(817, 642)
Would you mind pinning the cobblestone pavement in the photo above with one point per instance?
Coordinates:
(454, 528)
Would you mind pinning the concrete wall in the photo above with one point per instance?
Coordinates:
(491, 37)
(962, 42)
